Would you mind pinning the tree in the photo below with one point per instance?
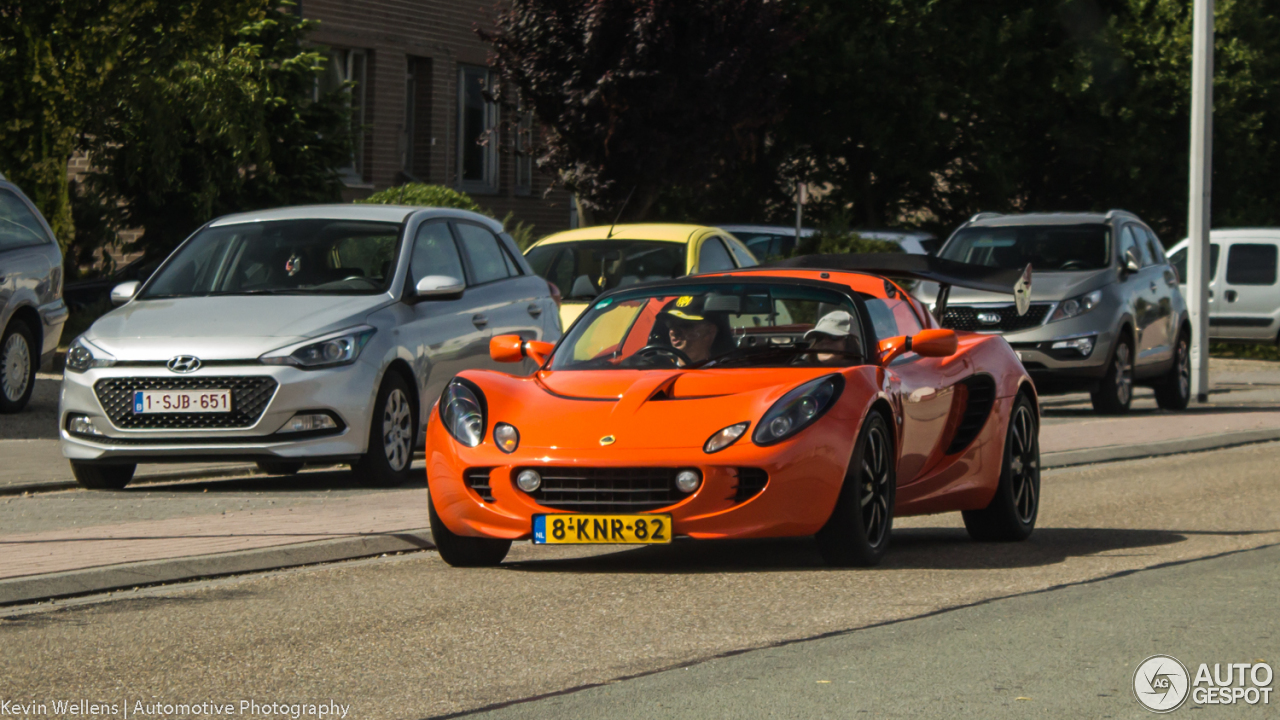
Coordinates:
(225, 126)
(637, 95)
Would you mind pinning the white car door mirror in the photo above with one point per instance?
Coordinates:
(124, 292)
(439, 286)
(1131, 261)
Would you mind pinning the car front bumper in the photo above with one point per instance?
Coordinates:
(346, 393)
(804, 477)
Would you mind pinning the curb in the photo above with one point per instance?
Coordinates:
(152, 572)
(1090, 456)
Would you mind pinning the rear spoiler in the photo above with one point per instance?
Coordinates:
(945, 273)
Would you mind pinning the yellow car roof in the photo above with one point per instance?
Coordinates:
(663, 232)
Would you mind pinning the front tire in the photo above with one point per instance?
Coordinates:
(857, 534)
(1012, 513)
(387, 461)
(1174, 392)
(18, 362)
(98, 476)
(1116, 390)
(463, 551)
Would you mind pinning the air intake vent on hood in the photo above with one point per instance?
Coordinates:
(980, 395)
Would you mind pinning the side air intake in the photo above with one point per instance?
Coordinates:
(980, 395)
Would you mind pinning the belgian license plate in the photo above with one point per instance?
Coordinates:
(181, 401)
(601, 529)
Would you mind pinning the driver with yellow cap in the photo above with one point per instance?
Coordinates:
(688, 328)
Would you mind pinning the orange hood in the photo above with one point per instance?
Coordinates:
(641, 409)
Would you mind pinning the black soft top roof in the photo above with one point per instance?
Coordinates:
(914, 267)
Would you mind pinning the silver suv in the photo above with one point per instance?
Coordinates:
(1105, 312)
(32, 312)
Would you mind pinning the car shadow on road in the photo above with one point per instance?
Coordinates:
(1049, 412)
(911, 549)
(307, 481)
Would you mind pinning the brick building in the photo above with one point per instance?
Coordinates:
(420, 73)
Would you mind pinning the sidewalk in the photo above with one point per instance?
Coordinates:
(61, 543)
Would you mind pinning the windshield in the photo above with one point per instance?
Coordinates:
(283, 257)
(723, 325)
(587, 268)
(1047, 248)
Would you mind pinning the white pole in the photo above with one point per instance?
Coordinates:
(1201, 178)
(800, 193)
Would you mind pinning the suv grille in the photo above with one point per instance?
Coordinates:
(249, 397)
(478, 480)
(963, 317)
(587, 489)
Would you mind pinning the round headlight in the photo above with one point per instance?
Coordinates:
(528, 480)
(688, 480)
(462, 412)
(780, 425)
(506, 437)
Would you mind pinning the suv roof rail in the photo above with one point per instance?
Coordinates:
(1117, 211)
(984, 216)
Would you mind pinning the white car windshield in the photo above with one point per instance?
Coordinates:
(1047, 248)
(283, 257)
(722, 325)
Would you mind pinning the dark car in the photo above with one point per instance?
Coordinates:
(31, 308)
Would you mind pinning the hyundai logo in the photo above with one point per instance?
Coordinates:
(988, 318)
(184, 364)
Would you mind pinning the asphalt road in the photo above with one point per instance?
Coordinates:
(408, 637)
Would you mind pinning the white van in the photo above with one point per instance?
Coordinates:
(1244, 297)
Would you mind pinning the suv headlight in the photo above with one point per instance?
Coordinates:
(798, 409)
(1072, 307)
(82, 356)
(340, 348)
(462, 410)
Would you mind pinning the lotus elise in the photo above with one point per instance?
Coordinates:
(815, 397)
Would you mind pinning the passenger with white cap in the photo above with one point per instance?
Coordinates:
(833, 333)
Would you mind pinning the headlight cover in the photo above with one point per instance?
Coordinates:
(340, 348)
(725, 437)
(82, 356)
(1072, 307)
(798, 409)
(463, 410)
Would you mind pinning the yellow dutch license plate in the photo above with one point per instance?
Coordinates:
(601, 529)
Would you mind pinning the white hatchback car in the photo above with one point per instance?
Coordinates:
(1244, 297)
(308, 334)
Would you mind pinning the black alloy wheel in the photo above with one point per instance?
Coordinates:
(858, 532)
(1115, 391)
(1174, 391)
(1012, 513)
(461, 550)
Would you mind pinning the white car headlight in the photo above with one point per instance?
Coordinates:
(82, 356)
(1072, 307)
(340, 348)
(462, 410)
(724, 438)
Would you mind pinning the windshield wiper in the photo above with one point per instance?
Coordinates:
(752, 353)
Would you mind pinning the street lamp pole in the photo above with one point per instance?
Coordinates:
(1201, 180)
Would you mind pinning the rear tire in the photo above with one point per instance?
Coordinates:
(1174, 392)
(1115, 392)
(99, 476)
(18, 363)
(857, 534)
(463, 551)
(392, 429)
(1011, 515)
(283, 467)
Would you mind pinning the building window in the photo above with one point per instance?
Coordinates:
(477, 123)
(346, 71)
(524, 155)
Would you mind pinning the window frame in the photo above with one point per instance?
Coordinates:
(702, 248)
(1275, 264)
(41, 225)
(523, 180)
(489, 181)
(356, 90)
(467, 263)
(411, 280)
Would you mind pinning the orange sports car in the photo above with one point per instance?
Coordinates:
(811, 397)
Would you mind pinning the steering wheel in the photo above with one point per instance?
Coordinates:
(1073, 265)
(652, 351)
